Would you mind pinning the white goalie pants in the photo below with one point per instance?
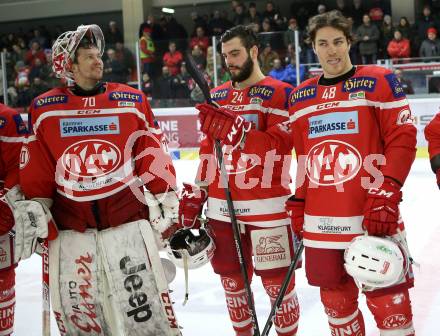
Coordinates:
(110, 283)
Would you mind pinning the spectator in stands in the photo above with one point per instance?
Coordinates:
(405, 27)
(199, 57)
(200, 39)
(308, 49)
(253, 16)
(157, 33)
(147, 85)
(125, 56)
(147, 51)
(198, 22)
(424, 22)
(219, 23)
(289, 34)
(267, 58)
(404, 83)
(270, 12)
(113, 35)
(38, 37)
(358, 11)
(38, 87)
(368, 36)
(177, 32)
(321, 9)
(22, 84)
(181, 82)
(268, 36)
(290, 73)
(163, 85)
(173, 58)
(399, 46)
(386, 35)
(430, 48)
(17, 54)
(277, 71)
(210, 62)
(33, 53)
(342, 6)
(10, 40)
(114, 70)
(40, 70)
(239, 15)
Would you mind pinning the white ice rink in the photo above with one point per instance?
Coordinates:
(205, 313)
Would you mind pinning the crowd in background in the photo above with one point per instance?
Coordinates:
(163, 41)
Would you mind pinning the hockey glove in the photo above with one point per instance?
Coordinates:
(191, 204)
(221, 124)
(6, 215)
(295, 210)
(381, 210)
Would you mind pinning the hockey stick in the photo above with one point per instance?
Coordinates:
(203, 85)
(283, 290)
(45, 288)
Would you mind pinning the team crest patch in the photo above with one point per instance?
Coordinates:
(219, 94)
(302, 94)
(50, 100)
(333, 124)
(89, 126)
(262, 91)
(395, 86)
(2, 122)
(355, 84)
(125, 96)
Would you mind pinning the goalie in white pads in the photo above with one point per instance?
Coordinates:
(93, 152)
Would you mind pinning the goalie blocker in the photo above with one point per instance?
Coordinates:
(99, 290)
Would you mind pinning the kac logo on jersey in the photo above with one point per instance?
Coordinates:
(262, 91)
(2, 122)
(19, 124)
(395, 86)
(91, 158)
(302, 94)
(332, 162)
(359, 84)
(89, 126)
(125, 96)
(50, 100)
(219, 94)
(333, 124)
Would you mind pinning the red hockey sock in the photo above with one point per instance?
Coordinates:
(286, 318)
(7, 301)
(236, 301)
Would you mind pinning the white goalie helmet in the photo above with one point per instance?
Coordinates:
(65, 46)
(376, 262)
(193, 247)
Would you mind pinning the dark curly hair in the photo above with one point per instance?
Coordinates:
(332, 19)
(245, 33)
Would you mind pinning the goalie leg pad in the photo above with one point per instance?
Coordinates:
(138, 288)
(392, 313)
(287, 316)
(75, 281)
(236, 302)
(341, 307)
(7, 301)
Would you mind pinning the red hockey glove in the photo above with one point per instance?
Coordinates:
(381, 210)
(191, 205)
(6, 215)
(295, 210)
(223, 125)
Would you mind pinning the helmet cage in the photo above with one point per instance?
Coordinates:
(66, 45)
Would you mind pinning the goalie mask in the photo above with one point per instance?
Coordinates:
(376, 262)
(64, 48)
(187, 247)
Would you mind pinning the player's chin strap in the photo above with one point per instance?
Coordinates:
(401, 237)
(185, 270)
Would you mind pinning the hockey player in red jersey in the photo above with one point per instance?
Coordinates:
(355, 142)
(93, 151)
(12, 131)
(258, 184)
(432, 135)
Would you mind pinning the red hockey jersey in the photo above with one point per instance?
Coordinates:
(347, 135)
(12, 132)
(432, 135)
(258, 182)
(87, 148)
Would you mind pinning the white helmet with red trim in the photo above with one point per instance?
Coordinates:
(376, 262)
(64, 48)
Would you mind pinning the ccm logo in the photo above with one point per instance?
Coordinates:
(133, 284)
(327, 105)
